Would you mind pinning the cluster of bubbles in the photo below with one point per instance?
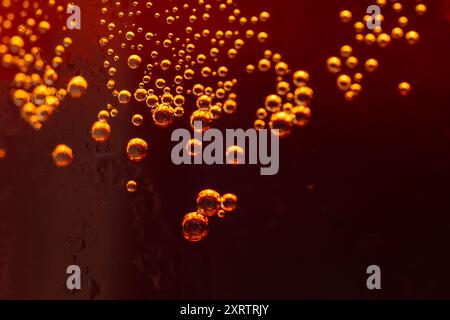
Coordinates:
(185, 63)
(350, 68)
(188, 59)
(290, 105)
(210, 203)
(186, 67)
(35, 89)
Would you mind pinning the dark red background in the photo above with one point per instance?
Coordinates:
(365, 183)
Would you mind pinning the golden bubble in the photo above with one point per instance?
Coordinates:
(412, 37)
(259, 124)
(384, 40)
(77, 87)
(160, 83)
(349, 96)
(283, 88)
(302, 115)
(370, 39)
(43, 27)
(204, 102)
(397, 33)
(124, 96)
(200, 117)
(43, 112)
(344, 82)
(163, 115)
(134, 61)
(179, 100)
(59, 50)
(261, 113)
(129, 35)
(351, 62)
(371, 65)
(273, 103)
(52, 101)
(300, 78)
(334, 64)
(345, 16)
(397, 7)
(281, 68)
(404, 88)
(67, 42)
(215, 112)
(27, 111)
(50, 76)
(359, 27)
(20, 97)
(346, 51)
(264, 65)
(228, 202)
(194, 227)
(140, 94)
(282, 122)
(137, 120)
(264, 16)
(100, 131)
(358, 77)
(421, 9)
(62, 156)
(152, 101)
(230, 106)
(303, 95)
(137, 150)
(165, 64)
(131, 186)
(114, 112)
(103, 115)
(208, 202)
(166, 98)
(16, 43)
(356, 89)
(403, 21)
